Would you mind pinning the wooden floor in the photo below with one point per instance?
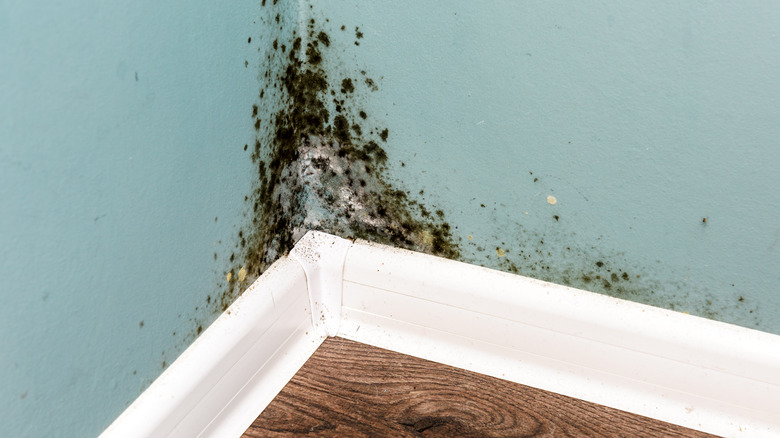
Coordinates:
(348, 389)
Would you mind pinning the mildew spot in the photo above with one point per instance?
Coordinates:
(320, 163)
(319, 166)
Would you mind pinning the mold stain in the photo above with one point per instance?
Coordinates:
(560, 257)
(319, 163)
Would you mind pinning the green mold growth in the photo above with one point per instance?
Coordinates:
(562, 257)
(320, 164)
(321, 167)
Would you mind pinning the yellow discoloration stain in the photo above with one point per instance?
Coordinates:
(229, 276)
(551, 200)
(500, 252)
(241, 274)
(471, 237)
(426, 238)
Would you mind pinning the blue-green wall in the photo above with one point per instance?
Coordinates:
(122, 177)
(642, 119)
(123, 171)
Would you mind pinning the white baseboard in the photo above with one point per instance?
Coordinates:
(219, 385)
(685, 370)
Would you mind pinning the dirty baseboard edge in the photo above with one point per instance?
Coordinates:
(681, 369)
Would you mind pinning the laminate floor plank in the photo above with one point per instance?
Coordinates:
(349, 389)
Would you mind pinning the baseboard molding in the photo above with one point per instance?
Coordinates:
(235, 368)
(694, 372)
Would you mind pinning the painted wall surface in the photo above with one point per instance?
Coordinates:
(123, 171)
(628, 148)
(155, 158)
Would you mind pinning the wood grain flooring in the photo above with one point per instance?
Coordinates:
(348, 389)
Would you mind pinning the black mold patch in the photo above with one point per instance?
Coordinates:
(233, 272)
(324, 38)
(320, 164)
(347, 86)
(567, 260)
(319, 167)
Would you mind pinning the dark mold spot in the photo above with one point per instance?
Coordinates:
(374, 150)
(302, 137)
(312, 151)
(313, 54)
(347, 86)
(341, 129)
(324, 39)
